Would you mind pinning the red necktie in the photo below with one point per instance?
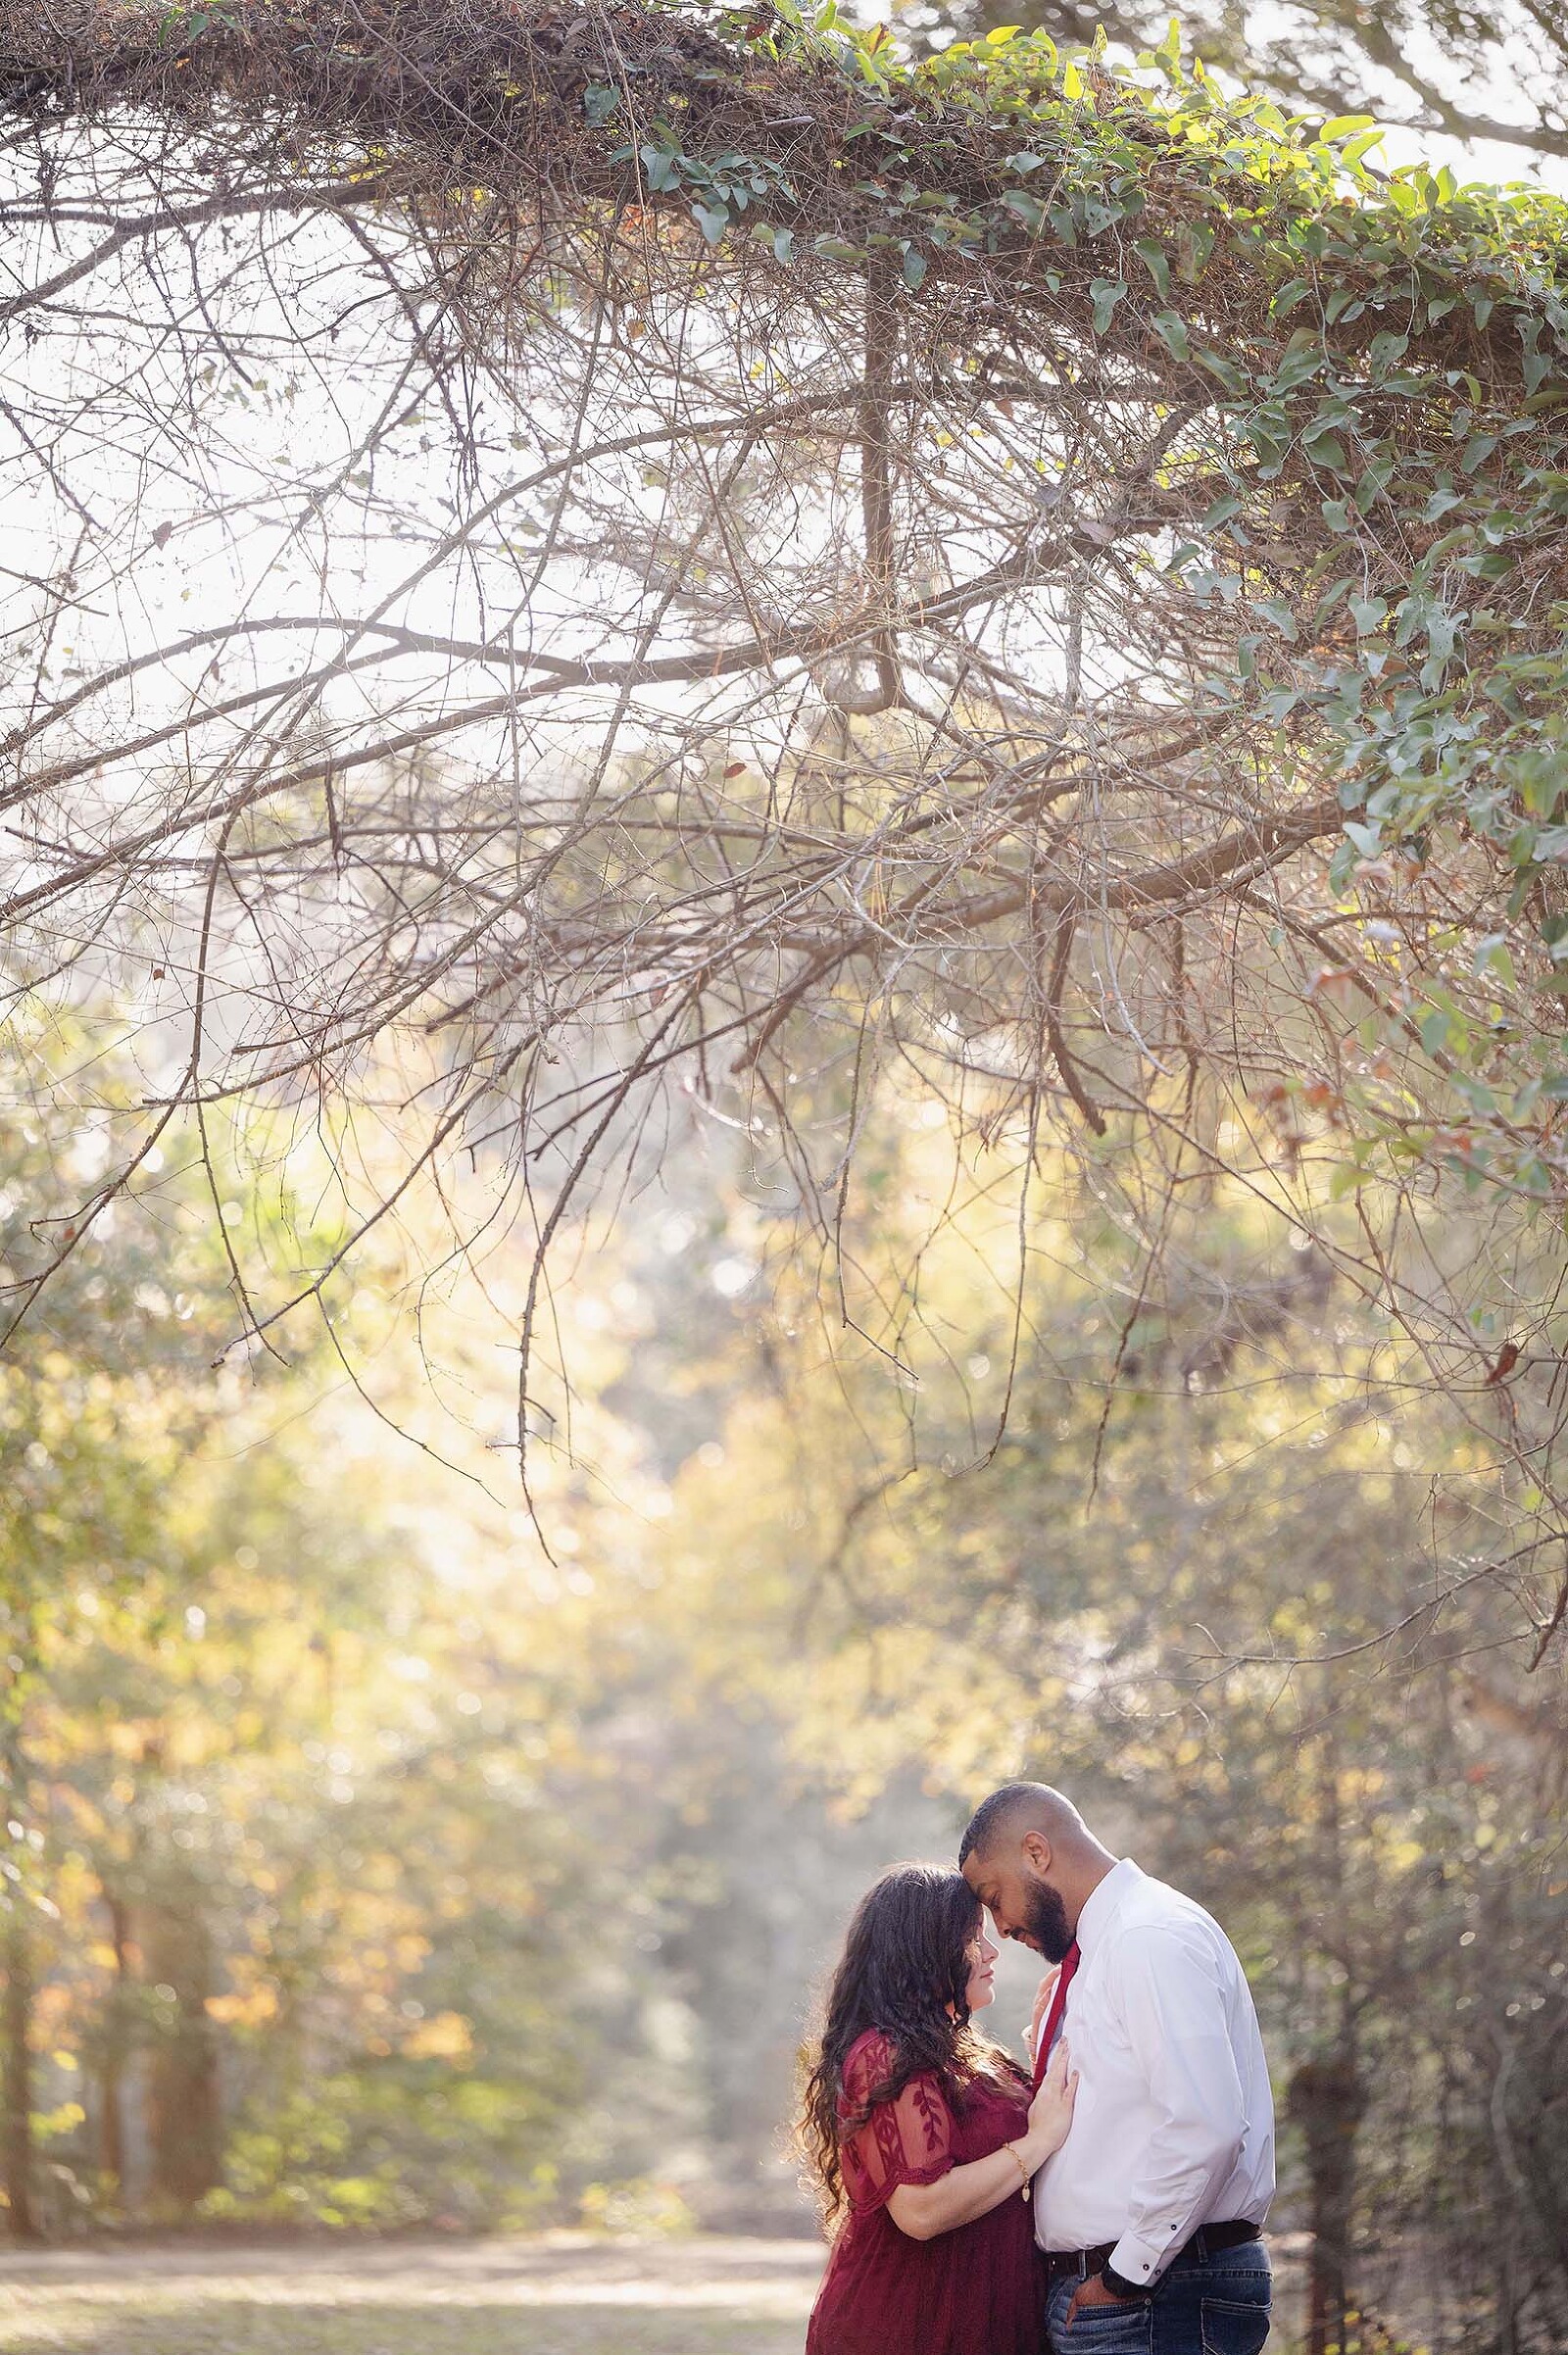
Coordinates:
(1058, 2004)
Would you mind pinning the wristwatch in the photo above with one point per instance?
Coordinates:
(1119, 2285)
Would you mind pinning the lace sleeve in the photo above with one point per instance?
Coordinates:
(905, 2140)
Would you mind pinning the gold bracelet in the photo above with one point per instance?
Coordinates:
(1013, 2153)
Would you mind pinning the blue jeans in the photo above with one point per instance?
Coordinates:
(1216, 2305)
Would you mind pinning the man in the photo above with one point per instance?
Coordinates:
(1151, 2214)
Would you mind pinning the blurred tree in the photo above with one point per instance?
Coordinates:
(254, 1828)
(98, 1409)
(1205, 1597)
(459, 1885)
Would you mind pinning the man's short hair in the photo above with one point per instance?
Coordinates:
(992, 1815)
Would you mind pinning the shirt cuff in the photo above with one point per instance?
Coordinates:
(1139, 2260)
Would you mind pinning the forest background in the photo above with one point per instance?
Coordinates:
(394, 1846)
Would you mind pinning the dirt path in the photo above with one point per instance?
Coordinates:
(558, 2294)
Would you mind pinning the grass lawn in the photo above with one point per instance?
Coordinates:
(560, 2295)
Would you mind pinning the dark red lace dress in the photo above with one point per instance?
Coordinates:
(975, 2290)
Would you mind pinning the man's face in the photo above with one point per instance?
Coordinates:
(1015, 1888)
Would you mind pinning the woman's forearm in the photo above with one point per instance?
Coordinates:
(923, 2210)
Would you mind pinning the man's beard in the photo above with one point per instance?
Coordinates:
(1047, 1924)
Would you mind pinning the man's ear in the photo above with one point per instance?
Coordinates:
(1037, 1853)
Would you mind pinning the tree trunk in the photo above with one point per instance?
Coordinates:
(15, 2076)
(1327, 2100)
(115, 2052)
(184, 2119)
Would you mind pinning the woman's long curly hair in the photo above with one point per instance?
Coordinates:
(904, 1971)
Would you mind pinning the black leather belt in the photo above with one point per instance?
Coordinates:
(1206, 2241)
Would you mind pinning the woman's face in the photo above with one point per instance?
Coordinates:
(982, 1957)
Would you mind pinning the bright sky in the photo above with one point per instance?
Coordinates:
(1502, 97)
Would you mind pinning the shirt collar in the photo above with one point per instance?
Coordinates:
(1105, 1903)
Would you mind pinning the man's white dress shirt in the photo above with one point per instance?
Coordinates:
(1174, 2123)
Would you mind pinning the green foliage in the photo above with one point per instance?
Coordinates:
(275, 1813)
(189, 24)
(391, 2145)
(1444, 65)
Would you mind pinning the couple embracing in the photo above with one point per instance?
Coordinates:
(1108, 2202)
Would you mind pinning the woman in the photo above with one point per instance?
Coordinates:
(922, 2138)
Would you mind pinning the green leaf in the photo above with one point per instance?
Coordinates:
(1326, 450)
(711, 219)
(1304, 359)
(1024, 207)
(1276, 610)
(599, 102)
(1226, 372)
(1439, 504)
(1362, 145)
(1171, 329)
(1443, 627)
(1369, 614)
(1328, 601)
(659, 168)
(1106, 294)
(914, 268)
(1158, 263)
